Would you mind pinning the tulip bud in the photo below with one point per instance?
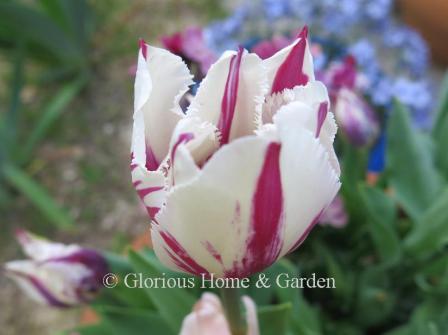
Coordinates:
(357, 120)
(242, 177)
(208, 317)
(57, 275)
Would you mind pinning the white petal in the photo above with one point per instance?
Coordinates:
(207, 223)
(312, 94)
(307, 116)
(161, 81)
(309, 181)
(251, 316)
(150, 186)
(211, 215)
(41, 249)
(205, 138)
(252, 88)
(274, 62)
(53, 283)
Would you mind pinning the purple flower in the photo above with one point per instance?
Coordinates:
(55, 274)
(268, 48)
(335, 215)
(378, 10)
(190, 45)
(341, 74)
(382, 93)
(274, 9)
(356, 118)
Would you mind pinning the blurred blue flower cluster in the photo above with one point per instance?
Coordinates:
(392, 57)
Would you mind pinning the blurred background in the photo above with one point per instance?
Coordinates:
(66, 92)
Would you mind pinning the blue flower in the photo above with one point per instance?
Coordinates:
(381, 93)
(274, 9)
(378, 10)
(411, 93)
(363, 51)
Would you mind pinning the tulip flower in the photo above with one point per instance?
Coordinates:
(57, 275)
(357, 120)
(208, 317)
(241, 178)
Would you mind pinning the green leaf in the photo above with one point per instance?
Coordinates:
(353, 169)
(38, 196)
(274, 320)
(133, 321)
(375, 301)
(121, 295)
(305, 320)
(16, 88)
(343, 279)
(381, 220)
(413, 175)
(430, 318)
(23, 22)
(100, 329)
(50, 114)
(440, 130)
(431, 232)
(442, 108)
(173, 304)
(403, 330)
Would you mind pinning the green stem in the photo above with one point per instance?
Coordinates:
(232, 308)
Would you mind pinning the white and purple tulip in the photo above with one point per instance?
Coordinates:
(57, 275)
(356, 118)
(353, 114)
(241, 178)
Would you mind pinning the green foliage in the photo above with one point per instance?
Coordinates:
(381, 219)
(413, 174)
(37, 195)
(440, 131)
(53, 37)
(56, 32)
(389, 264)
(274, 319)
(173, 304)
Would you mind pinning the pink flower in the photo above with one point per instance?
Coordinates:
(241, 178)
(353, 114)
(335, 215)
(268, 48)
(207, 317)
(356, 118)
(341, 74)
(190, 44)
